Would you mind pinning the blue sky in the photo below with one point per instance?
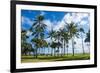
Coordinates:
(55, 20)
(48, 14)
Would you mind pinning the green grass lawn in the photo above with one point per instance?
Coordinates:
(32, 59)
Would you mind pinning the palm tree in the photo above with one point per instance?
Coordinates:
(38, 29)
(37, 44)
(72, 32)
(87, 39)
(64, 38)
(23, 43)
(27, 49)
(53, 46)
(58, 35)
(44, 44)
(82, 31)
(51, 35)
(67, 49)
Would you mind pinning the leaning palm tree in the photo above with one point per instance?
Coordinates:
(72, 29)
(82, 31)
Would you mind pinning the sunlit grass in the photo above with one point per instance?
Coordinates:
(29, 59)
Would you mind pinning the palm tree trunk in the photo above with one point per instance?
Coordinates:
(51, 48)
(62, 50)
(58, 46)
(82, 44)
(64, 47)
(67, 51)
(43, 51)
(73, 46)
(58, 51)
(51, 51)
(83, 47)
(36, 54)
(54, 51)
(48, 51)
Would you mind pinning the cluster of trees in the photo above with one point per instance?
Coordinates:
(59, 39)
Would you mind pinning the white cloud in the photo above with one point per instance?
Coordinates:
(84, 22)
(49, 24)
(26, 20)
(28, 33)
(48, 40)
(59, 25)
(75, 17)
(42, 13)
(68, 18)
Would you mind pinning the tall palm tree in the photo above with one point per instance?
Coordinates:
(87, 39)
(38, 29)
(44, 45)
(38, 43)
(58, 35)
(72, 29)
(58, 44)
(65, 38)
(53, 46)
(87, 36)
(51, 35)
(67, 49)
(82, 31)
(23, 43)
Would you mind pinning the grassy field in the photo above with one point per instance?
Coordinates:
(31, 59)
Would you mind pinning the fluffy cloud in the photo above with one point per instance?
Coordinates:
(28, 33)
(42, 13)
(49, 24)
(77, 18)
(26, 20)
(59, 25)
(84, 22)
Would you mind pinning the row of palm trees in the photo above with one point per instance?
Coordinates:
(59, 39)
